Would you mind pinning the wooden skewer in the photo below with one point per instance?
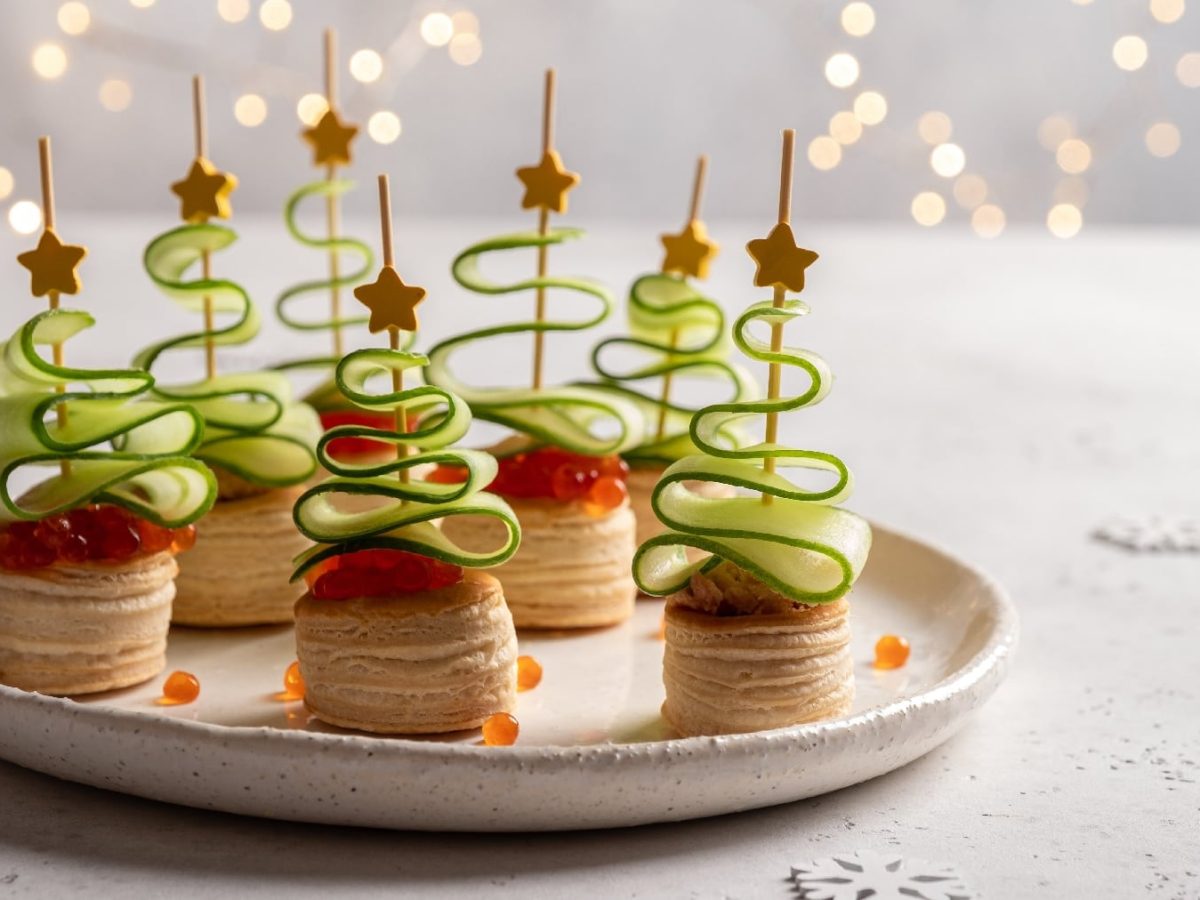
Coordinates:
(332, 201)
(45, 165)
(200, 120)
(693, 215)
(773, 371)
(400, 420)
(543, 229)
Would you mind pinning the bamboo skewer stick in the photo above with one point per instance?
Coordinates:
(773, 371)
(332, 201)
(200, 120)
(46, 168)
(543, 229)
(389, 261)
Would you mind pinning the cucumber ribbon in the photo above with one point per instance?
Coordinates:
(403, 516)
(683, 332)
(252, 427)
(148, 470)
(579, 418)
(801, 544)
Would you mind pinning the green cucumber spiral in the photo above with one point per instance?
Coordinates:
(253, 428)
(402, 518)
(148, 469)
(578, 418)
(801, 544)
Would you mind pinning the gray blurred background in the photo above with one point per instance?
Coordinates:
(644, 85)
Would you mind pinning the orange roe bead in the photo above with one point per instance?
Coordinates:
(181, 687)
(891, 652)
(500, 730)
(606, 495)
(529, 673)
(183, 538)
(293, 682)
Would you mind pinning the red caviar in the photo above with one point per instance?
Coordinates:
(346, 448)
(891, 652)
(554, 473)
(181, 687)
(500, 730)
(379, 573)
(529, 673)
(104, 534)
(293, 682)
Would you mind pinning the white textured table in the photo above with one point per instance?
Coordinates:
(1001, 398)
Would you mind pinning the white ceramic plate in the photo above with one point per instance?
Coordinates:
(593, 751)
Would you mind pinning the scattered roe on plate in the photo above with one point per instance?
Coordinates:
(97, 534)
(500, 730)
(529, 673)
(550, 472)
(181, 687)
(293, 682)
(379, 573)
(891, 652)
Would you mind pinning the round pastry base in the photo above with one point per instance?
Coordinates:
(67, 630)
(238, 572)
(572, 569)
(430, 662)
(739, 674)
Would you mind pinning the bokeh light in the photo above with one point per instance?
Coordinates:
(465, 22)
(25, 217)
(1064, 220)
(141, 4)
(988, 221)
(1130, 52)
(384, 127)
(870, 107)
(366, 66)
(858, 19)
(1073, 156)
(275, 15)
(49, 60)
(6, 182)
(928, 208)
(845, 128)
(1053, 130)
(970, 191)
(74, 17)
(115, 94)
(233, 10)
(437, 28)
(250, 110)
(1167, 11)
(1187, 70)
(311, 107)
(824, 153)
(947, 160)
(935, 127)
(465, 49)
(1163, 139)
(841, 70)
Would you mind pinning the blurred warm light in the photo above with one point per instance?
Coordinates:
(141, 4)
(25, 217)
(928, 208)
(988, 221)
(311, 107)
(970, 191)
(74, 18)
(934, 127)
(841, 70)
(366, 66)
(384, 127)
(465, 49)
(858, 19)
(845, 128)
(275, 14)
(115, 95)
(1053, 130)
(1163, 139)
(6, 182)
(947, 160)
(437, 28)
(250, 110)
(824, 153)
(49, 60)
(1073, 190)
(233, 10)
(465, 22)
(1187, 70)
(870, 107)
(1064, 220)
(1082, 2)
(1166, 11)
(1073, 156)
(1130, 52)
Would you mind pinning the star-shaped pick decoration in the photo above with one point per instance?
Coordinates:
(779, 259)
(393, 304)
(690, 251)
(52, 265)
(547, 183)
(204, 192)
(330, 139)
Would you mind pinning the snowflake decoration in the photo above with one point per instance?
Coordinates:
(865, 874)
(1152, 534)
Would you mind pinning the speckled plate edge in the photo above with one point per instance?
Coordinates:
(396, 783)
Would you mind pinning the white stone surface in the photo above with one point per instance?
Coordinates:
(1001, 398)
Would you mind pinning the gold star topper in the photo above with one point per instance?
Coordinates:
(393, 304)
(779, 259)
(547, 183)
(204, 192)
(52, 265)
(330, 140)
(690, 252)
